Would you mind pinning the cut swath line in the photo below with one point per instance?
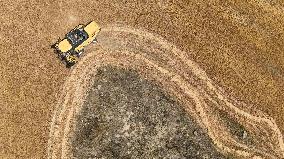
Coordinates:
(143, 60)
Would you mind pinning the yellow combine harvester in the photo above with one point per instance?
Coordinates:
(72, 46)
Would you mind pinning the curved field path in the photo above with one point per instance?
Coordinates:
(239, 44)
(160, 61)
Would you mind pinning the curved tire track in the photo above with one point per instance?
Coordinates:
(156, 59)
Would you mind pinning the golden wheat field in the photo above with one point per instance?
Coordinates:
(166, 79)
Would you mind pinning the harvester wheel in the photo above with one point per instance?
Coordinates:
(70, 60)
(69, 64)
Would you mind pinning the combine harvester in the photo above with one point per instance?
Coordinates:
(72, 46)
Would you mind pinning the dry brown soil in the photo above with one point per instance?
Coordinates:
(239, 44)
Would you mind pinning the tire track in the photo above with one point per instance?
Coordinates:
(156, 59)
